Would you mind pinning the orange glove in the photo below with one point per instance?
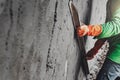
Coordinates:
(82, 31)
(98, 44)
(90, 30)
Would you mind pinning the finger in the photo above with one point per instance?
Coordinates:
(80, 33)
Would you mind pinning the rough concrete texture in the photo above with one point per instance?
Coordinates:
(37, 39)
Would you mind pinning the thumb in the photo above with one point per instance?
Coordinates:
(80, 32)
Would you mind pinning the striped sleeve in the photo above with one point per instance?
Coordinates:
(110, 28)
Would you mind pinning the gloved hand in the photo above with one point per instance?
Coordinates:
(82, 30)
(90, 30)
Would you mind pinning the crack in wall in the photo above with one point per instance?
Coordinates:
(49, 62)
(11, 23)
(11, 12)
(20, 8)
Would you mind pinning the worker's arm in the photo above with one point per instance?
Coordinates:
(105, 30)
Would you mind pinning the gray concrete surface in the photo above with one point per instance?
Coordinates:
(37, 39)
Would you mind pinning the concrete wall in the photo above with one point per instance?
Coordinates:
(37, 39)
